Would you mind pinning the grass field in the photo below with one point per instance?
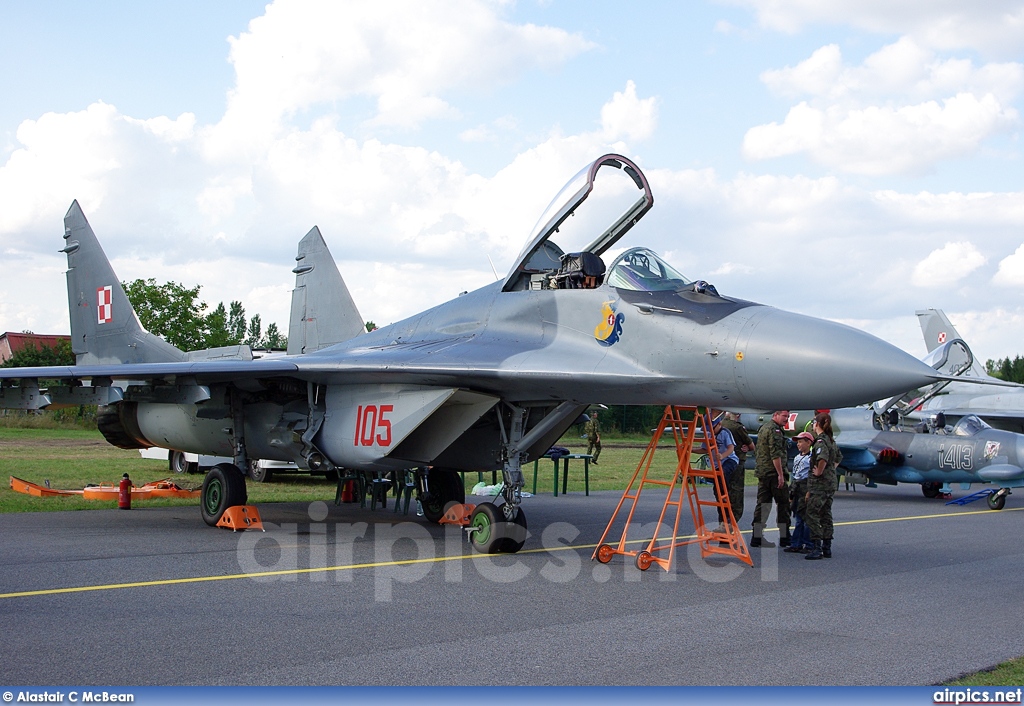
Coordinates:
(74, 458)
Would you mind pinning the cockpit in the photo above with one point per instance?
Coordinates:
(641, 270)
(566, 247)
(969, 425)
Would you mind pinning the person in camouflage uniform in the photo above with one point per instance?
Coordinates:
(743, 445)
(593, 432)
(770, 468)
(821, 486)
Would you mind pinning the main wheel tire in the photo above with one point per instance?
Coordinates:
(445, 486)
(176, 462)
(223, 487)
(513, 531)
(485, 523)
(996, 501)
(258, 473)
(931, 490)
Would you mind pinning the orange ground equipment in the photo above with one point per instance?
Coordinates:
(241, 517)
(688, 424)
(104, 491)
(457, 514)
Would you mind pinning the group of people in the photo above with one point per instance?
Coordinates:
(808, 497)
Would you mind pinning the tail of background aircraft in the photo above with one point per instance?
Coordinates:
(323, 312)
(937, 330)
(104, 326)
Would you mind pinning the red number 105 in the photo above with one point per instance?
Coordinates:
(369, 419)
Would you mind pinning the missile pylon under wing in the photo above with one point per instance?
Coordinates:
(489, 380)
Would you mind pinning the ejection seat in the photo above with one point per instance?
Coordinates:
(580, 270)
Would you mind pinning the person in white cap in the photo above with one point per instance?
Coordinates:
(801, 540)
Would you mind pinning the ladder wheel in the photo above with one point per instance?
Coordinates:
(644, 560)
(605, 553)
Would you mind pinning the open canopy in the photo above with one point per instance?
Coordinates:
(609, 218)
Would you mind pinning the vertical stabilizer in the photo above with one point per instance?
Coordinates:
(937, 330)
(323, 312)
(104, 326)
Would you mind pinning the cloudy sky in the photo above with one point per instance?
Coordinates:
(854, 160)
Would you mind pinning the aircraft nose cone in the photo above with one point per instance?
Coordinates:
(791, 361)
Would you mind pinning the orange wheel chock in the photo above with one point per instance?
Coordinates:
(457, 514)
(241, 517)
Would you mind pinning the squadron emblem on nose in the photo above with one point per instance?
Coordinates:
(608, 331)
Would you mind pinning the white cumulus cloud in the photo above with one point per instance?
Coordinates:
(993, 27)
(947, 265)
(405, 55)
(630, 117)
(1011, 269)
(879, 140)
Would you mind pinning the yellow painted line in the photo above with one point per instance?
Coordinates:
(432, 560)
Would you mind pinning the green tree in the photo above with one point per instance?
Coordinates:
(236, 322)
(176, 314)
(170, 311)
(274, 338)
(370, 326)
(31, 357)
(1011, 370)
(255, 339)
(225, 327)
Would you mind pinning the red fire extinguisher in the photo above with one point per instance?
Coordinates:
(124, 493)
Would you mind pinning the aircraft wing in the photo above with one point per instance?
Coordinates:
(459, 362)
(855, 448)
(209, 371)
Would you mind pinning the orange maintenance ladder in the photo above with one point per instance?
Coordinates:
(687, 425)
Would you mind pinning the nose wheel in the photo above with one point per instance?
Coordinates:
(997, 500)
(490, 532)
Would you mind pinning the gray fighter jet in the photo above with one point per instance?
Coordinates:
(489, 380)
(1003, 409)
(969, 452)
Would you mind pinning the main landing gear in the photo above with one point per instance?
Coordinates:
(442, 488)
(223, 487)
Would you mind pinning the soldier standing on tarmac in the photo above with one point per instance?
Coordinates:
(593, 431)
(821, 486)
(771, 479)
(743, 445)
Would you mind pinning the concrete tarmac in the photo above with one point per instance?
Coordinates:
(917, 593)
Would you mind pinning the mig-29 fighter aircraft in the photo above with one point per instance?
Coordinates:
(487, 381)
